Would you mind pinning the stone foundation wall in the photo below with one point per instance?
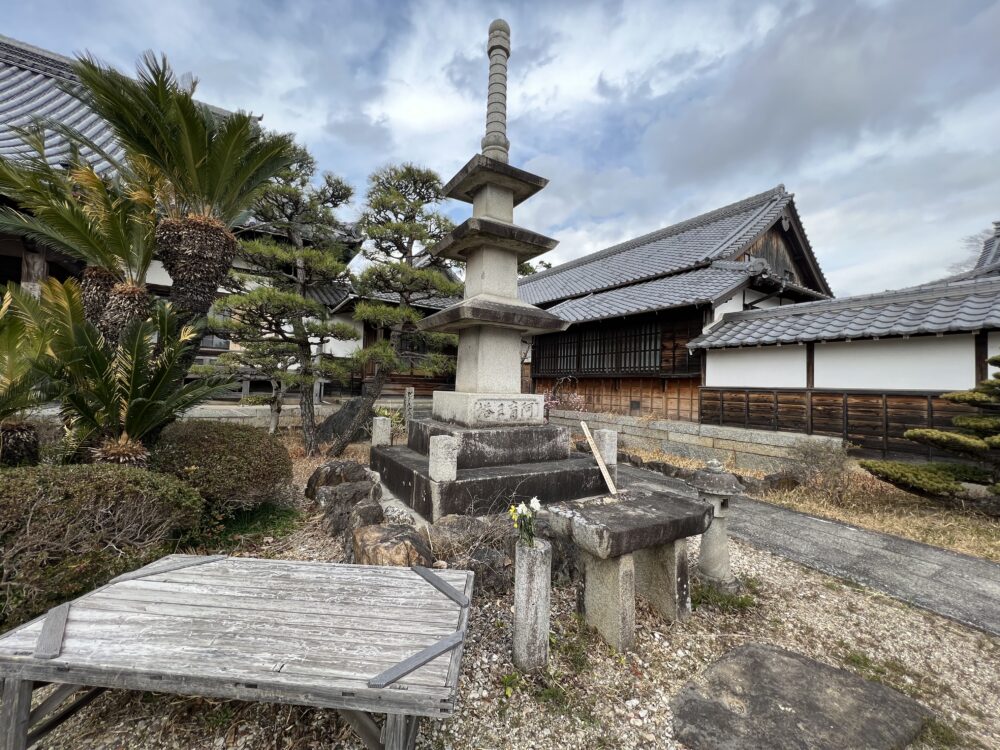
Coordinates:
(255, 416)
(763, 450)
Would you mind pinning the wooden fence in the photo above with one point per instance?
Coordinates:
(873, 422)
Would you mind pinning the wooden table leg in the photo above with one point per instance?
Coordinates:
(400, 732)
(15, 711)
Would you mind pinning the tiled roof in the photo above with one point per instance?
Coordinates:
(948, 306)
(691, 288)
(689, 244)
(31, 81)
(334, 295)
(991, 249)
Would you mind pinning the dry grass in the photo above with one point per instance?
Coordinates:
(872, 504)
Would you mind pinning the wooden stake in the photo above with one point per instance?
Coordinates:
(600, 460)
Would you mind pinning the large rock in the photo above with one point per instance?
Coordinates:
(763, 696)
(365, 513)
(333, 473)
(338, 422)
(340, 500)
(390, 545)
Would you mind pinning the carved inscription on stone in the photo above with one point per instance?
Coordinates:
(506, 410)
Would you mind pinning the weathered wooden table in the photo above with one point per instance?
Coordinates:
(358, 639)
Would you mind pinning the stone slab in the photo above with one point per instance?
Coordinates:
(607, 527)
(477, 232)
(481, 170)
(488, 409)
(483, 490)
(494, 446)
(760, 696)
(478, 311)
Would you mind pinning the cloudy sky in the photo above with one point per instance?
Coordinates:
(882, 117)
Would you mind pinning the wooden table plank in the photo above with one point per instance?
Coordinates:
(232, 606)
(424, 599)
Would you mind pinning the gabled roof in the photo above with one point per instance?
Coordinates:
(704, 285)
(967, 303)
(31, 81)
(695, 243)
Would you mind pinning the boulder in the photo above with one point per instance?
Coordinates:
(334, 425)
(390, 545)
(367, 512)
(780, 481)
(763, 696)
(340, 500)
(333, 473)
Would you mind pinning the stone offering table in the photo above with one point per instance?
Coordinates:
(635, 543)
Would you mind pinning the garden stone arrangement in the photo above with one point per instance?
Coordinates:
(486, 441)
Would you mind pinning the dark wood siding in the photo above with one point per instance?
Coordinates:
(657, 398)
(873, 422)
(773, 247)
(653, 346)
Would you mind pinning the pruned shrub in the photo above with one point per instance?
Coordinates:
(928, 479)
(821, 467)
(234, 467)
(67, 529)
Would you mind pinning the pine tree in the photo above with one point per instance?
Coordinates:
(974, 437)
(274, 316)
(401, 224)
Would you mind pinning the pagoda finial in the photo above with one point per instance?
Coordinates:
(495, 144)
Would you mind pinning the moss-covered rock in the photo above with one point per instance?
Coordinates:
(67, 529)
(234, 467)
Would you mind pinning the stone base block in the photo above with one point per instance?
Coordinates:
(494, 446)
(661, 578)
(609, 598)
(488, 409)
(484, 490)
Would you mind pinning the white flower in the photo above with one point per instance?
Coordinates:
(522, 510)
(535, 505)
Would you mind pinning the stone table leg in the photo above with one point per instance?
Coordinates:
(609, 598)
(661, 578)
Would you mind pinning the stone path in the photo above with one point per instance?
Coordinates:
(963, 588)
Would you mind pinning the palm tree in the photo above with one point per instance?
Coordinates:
(107, 222)
(19, 387)
(214, 165)
(114, 399)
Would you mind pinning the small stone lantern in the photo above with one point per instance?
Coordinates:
(718, 487)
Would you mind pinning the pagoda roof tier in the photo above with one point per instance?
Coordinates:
(490, 311)
(482, 170)
(478, 232)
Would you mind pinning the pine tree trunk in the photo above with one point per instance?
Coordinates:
(277, 396)
(367, 403)
(307, 406)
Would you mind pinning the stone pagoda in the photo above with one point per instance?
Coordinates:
(486, 442)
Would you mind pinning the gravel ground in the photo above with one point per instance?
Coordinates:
(595, 698)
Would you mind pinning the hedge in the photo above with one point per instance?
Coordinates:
(66, 529)
(234, 467)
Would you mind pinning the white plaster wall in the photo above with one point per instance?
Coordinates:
(921, 363)
(733, 304)
(763, 367)
(992, 347)
(344, 348)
